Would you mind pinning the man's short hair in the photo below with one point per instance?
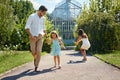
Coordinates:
(42, 8)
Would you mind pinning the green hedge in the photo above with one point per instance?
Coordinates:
(102, 30)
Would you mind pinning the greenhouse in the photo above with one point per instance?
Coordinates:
(64, 19)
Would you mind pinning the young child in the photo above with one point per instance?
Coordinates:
(82, 36)
(56, 47)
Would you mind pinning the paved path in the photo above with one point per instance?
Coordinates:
(93, 69)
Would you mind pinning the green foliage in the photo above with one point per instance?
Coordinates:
(22, 9)
(13, 14)
(46, 47)
(49, 28)
(112, 57)
(11, 59)
(13, 17)
(6, 22)
(99, 22)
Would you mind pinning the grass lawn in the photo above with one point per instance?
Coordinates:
(112, 58)
(11, 59)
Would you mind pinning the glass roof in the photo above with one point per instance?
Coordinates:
(71, 1)
(67, 10)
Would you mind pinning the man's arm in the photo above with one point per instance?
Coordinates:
(27, 27)
(30, 35)
(28, 32)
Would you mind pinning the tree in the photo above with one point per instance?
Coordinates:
(22, 9)
(99, 22)
(6, 22)
(13, 17)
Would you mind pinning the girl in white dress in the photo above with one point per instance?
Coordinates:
(82, 36)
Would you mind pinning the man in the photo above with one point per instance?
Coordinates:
(35, 28)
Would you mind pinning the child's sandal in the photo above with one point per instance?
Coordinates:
(59, 67)
(84, 60)
(54, 66)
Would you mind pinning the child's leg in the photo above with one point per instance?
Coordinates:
(58, 58)
(84, 54)
(55, 60)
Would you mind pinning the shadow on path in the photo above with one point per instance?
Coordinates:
(28, 72)
(73, 62)
(78, 54)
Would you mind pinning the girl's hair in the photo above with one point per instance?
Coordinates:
(54, 32)
(82, 33)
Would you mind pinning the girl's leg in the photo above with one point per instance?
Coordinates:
(55, 60)
(58, 58)
(84, 54)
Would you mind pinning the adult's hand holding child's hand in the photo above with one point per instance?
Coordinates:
(32, 38)
(76, 43)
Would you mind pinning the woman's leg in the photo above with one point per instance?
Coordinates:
(84, 54)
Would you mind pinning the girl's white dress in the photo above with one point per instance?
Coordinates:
(85, 44)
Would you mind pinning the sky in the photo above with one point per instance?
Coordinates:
(50, 4)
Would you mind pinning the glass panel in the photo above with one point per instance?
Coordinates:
(63, 17)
